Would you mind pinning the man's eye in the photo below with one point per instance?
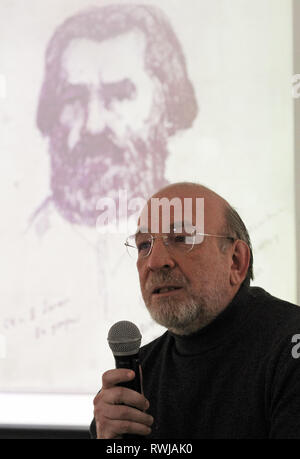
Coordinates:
(121, 90)
(182, 239)
(179, 238)
(73, 94)
(142, 246)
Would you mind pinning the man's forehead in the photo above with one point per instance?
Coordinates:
(163, 215)
(86, 61)
(190, 205)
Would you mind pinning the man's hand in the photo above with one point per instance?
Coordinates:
(119, 410)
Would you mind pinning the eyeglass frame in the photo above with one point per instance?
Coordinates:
(166, 236)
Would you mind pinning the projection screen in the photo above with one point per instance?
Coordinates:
(98, 99)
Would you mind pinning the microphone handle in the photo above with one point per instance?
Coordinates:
(131, 362)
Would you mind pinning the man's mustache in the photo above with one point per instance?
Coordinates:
(164, 277)
(93, 146)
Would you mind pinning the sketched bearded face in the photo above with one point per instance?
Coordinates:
(107, 119)
(107, 88)
(115, 89)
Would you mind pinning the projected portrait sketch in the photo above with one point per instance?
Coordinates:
(115, 88)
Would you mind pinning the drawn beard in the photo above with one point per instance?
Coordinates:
(97, 166)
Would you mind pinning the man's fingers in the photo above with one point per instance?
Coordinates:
(119, 410)
(112, 377)
(124, 427)
(119, 395)
(134, 428)
(127, 413)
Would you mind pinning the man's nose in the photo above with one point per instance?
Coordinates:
(160, 256)
(97, 116)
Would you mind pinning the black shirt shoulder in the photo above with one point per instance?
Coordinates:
(279, 314)
(154, 345)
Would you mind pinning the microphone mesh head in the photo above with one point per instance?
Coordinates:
(124, 338)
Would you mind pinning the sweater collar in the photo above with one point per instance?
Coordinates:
(221, 329)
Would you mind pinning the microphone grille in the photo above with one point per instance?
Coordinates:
(124, 338)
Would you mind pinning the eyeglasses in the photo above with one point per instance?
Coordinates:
(139, 245)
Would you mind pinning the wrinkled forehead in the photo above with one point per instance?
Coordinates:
(163, 215)
(190, 211)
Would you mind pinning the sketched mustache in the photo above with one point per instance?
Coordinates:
(97, 145)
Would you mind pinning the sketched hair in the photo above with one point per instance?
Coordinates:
(164, 59)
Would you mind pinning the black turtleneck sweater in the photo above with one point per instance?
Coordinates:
(238, 377)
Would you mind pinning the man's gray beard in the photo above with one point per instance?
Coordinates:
(186, 318)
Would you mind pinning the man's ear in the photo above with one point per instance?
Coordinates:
(239, 262)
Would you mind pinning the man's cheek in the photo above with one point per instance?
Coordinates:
(74, 134)
(72, 119)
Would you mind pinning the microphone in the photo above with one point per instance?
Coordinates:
(124, 339)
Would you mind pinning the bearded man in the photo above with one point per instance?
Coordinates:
(227, 365)
(115, 89)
